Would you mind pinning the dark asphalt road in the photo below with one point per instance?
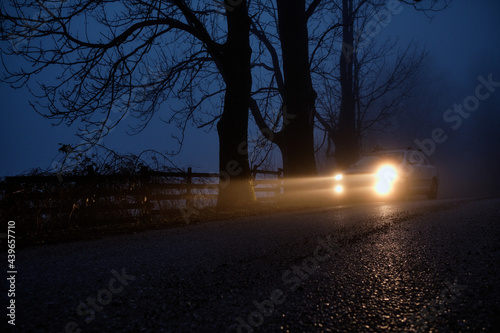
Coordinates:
(376, 267)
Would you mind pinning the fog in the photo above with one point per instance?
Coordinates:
(463, 45)
(468, 156)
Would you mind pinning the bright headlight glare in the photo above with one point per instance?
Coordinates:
(339, 189)
(386, 176)
(387, 173)
(338, 177)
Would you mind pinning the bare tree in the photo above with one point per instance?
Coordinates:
(283, 40)
(112, 60)
(371, 87)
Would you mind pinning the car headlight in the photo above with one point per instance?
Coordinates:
(386, 176)
(338, 187)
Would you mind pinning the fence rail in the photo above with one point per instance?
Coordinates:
(44, 202)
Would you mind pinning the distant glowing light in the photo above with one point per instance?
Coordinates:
(386, 176)
(339, 189)
(338, 177)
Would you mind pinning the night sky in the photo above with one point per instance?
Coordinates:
(463, 42)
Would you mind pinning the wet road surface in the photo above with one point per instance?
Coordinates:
(376, 267)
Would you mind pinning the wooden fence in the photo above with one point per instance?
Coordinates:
(45, 202)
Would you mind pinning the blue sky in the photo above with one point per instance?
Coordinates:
(460, 40)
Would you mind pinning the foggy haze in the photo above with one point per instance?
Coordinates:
(463, 45)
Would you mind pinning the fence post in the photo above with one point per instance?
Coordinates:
(280, 183)
(145, 199)
(189, 181)
(253, 174)
(89, 185)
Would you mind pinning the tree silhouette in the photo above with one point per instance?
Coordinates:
(285, 39)
(371, 89)
(111, 60)
(108, 60)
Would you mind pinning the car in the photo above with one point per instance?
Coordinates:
(389, 174)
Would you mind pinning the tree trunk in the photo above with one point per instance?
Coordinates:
(235, 188)
(346, 145)
(297, 135)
